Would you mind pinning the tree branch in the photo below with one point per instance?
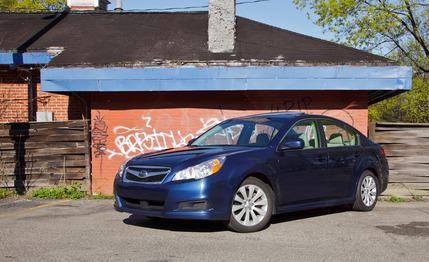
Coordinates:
(416, 29)
(407, 54)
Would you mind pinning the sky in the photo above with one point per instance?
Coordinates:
(279, 13)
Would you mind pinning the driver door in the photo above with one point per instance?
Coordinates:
(303, 172)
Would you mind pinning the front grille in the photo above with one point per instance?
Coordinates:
(146, 174)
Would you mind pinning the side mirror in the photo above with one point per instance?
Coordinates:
(292, 144)
(191, 141)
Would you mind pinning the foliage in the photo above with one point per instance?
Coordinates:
(398, 29)
(61, 192)
(396, 199)
(31, 5)
(401, 25)
(4, 193)
(410, 107)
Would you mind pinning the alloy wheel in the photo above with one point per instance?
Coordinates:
(250, 205)
(368, 191)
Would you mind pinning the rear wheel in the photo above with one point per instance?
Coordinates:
(251, 207)
(366, 192)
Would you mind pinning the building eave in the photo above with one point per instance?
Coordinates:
(191, 78)
(24, 58)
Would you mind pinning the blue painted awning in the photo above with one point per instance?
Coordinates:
(24, 58)
(226, 78)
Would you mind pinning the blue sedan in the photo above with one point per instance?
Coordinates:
(244, 170)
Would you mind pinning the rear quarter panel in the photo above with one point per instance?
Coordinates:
(370, 160)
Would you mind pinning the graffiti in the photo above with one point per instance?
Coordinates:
(129, 141)
(137, 140)
(99, 136)
(302, 104)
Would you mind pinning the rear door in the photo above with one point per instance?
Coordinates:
(342, 144)
(303, 172)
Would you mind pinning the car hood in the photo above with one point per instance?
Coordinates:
(186, 155)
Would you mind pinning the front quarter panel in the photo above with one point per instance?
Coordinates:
(240, 166)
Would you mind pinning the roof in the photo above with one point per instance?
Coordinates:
(140, 39)
(17, 29)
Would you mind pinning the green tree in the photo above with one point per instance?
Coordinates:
(6, 5)
(398, 29)
(411, 106)
(402, 25)
(31, 5)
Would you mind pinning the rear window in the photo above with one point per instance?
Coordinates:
(337, 135)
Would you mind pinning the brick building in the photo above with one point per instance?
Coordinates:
(149, 81)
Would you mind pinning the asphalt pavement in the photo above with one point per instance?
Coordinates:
(90, 230)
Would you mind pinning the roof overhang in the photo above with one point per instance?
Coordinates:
(24, 58)
(370, 78)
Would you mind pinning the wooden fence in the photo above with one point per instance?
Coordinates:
(42, 154)
(407, 150)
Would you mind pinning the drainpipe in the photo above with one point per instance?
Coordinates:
(31, 96)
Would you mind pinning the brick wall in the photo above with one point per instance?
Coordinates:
(13, 103)
(65, 107)
(126, 124)
(14, 98)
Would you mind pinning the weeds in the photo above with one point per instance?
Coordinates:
(4, 193)
(102, 196)
(61, 192)
(396, 199)
(417, 197)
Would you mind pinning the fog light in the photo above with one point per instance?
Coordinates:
(193, 205)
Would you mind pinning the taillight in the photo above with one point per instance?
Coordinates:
(382, 153)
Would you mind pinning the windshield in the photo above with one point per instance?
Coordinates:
(258, 132)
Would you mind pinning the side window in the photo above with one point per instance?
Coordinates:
(337, 135)
(262, 130)
(306, 131)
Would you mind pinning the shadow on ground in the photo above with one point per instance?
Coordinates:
(175, 224)
(216, 226)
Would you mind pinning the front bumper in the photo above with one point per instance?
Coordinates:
(207, 199)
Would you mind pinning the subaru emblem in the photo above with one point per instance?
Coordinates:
(143, 174)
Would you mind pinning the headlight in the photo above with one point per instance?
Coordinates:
(122, 168)
(202, 170)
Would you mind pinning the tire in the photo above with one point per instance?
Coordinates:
(251, 213)
(366, 192)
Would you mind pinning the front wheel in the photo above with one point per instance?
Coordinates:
(252, 206)
(366, 192)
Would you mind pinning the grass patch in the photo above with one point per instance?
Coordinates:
(396, 199)
(102, 196)
(61, 192)
(4, 193)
